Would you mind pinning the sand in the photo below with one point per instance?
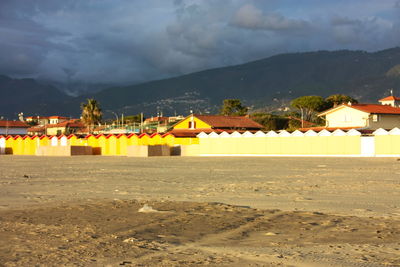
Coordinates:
(84, 211)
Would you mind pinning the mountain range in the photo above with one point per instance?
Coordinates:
(271, 82)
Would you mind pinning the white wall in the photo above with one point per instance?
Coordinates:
(347, 117)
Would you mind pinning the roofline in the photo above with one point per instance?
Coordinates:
(330, 110)
(395, 98)
(172, 126)
(342, 106)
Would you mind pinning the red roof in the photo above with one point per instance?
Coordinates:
(37, 129)
(13, 124)
(70, 124)
(376, 109)
(369, 108)
(58, 117)
(156, 119)
(35, 117)
(195, 132)
(390, 98)
(218, 121)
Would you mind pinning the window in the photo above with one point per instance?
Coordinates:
(375, 118)
(192, 124)
(347, 118)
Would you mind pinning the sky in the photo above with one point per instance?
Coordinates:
(131, 41)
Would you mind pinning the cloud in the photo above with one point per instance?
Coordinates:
(122, 41)
(250, 17)
(356, 31)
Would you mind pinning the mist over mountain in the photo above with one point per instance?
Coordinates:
(28, 96)
(272, 81)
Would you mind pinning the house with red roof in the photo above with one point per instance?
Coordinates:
(61, 128)
(43, 120)
(391, 101)
(13, 127)
(195, 124)
(40, 120)
(364, 116)
(57, 119)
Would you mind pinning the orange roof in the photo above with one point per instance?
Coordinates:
(70, 123)
(35, 117)
(13, 124)
(195, 132)
(37, 129)
(156, 119)
(377, 109)
(58, 117)
(390, 98)
(219, 121)
(369, 108)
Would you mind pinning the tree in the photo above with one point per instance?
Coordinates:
(91, 113)
(270, 121)
(335, 100)
(309, 105)
(233, 107)
(133, 118)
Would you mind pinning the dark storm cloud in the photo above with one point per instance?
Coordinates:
(132, 41)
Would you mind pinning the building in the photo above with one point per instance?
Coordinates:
(158, 119)
(13, 127)
(391, 101)
(40, 120)
(364, 116)
(57, 119)
(65, 127)
(195, 124)
(160, 124)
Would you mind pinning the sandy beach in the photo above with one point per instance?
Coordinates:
(84, 211)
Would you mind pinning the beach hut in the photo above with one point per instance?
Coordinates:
(155, 139)
(133, 139)
(44, 140)
(103, 144)
(113, 147)
(54, 141)
(144, 139)
(169, 139)
(9, 144)
(29, 145)
(63, 140)
(122, 142)
(18, 145)
(93, 141)
(73, 140)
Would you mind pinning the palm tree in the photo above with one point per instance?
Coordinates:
(91, 113)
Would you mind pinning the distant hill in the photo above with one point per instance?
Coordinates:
(271, 81)
(28, 96)
(365, 76)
